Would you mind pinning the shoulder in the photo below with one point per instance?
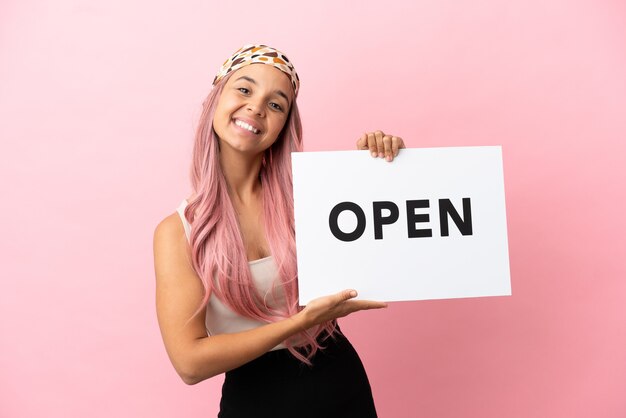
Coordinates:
(170, 227)
(172, 257)
(170, 241)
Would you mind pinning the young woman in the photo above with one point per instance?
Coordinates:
(226, 279)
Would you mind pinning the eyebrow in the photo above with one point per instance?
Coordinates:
(279, 92)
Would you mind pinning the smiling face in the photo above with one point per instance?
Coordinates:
(253, 108)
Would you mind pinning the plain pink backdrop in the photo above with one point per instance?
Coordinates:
(98, 103)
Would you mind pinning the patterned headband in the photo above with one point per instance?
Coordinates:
(263, 54)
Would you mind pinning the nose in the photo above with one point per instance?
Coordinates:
(256, 106)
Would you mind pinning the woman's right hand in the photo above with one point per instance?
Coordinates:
(327, 308)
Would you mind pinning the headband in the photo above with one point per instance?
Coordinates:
(263, 54)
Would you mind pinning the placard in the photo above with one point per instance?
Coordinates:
(429, 225)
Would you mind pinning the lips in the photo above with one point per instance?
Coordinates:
(247, 125)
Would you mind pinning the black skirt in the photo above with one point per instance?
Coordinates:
(278, 385)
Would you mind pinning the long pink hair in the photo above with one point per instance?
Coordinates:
(217, 250)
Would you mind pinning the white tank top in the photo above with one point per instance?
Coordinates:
(220, 319)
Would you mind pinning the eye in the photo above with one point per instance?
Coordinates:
(276, 106)
(241, 89)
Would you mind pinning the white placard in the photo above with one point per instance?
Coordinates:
(462, 187)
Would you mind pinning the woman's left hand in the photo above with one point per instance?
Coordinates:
(380, 144)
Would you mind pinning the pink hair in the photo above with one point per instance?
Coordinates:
(217, 248)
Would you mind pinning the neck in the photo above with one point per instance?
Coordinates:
(241, 172)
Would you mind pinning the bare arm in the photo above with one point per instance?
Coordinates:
(196, 356)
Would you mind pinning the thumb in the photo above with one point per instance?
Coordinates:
(361, 143)
(346, 294)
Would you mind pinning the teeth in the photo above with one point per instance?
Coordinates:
(244, 125)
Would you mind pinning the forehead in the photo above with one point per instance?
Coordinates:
(265, 76)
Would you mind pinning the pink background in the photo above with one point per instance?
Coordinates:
(98, 102)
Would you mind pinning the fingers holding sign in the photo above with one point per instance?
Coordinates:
(327, 308)
(380, 144)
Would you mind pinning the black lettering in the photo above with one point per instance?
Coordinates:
(360, 221)
(412, 218)
(464, 225)
(380, 220)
